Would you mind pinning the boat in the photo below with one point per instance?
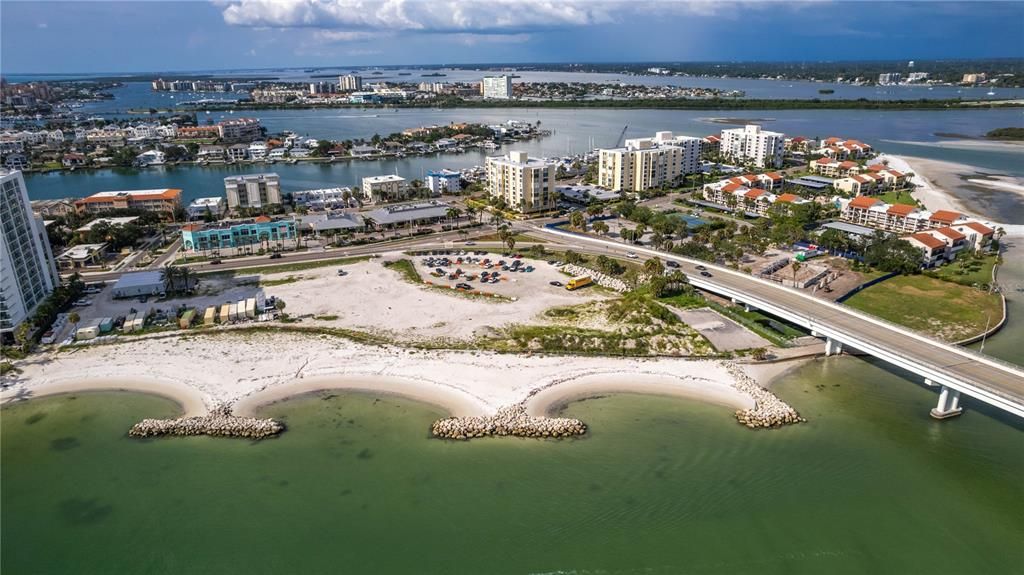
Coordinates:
(826, 91)
(990, 93)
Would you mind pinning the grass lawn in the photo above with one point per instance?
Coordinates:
(942, 309)
(407, 270)
(520, 238)
(975, 272)
(898, 197)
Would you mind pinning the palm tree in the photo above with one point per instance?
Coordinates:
(470, 212)
(654, 267)
(510, 241)
(796, 268)
(578, 221)
(600, 227)
(369, 223)
(453, 213)
(497, 218)
(73, 317)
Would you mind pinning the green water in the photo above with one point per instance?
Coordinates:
(659, 485)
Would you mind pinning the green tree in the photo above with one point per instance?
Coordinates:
(654, 267)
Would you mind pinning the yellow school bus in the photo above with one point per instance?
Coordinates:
(579, 282)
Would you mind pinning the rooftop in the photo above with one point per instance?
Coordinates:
(109, 221)
(251, 177)
(399, 213)
(382, 179)
(928, 240)
(850, 228)
(81, 251)
(134, 279)
(156, 194)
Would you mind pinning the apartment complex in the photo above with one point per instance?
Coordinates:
(750, 144)
(323, 198)
(498, 87)
(215, 206)
(444, 182)
(240, 130)
(748, 194)
(235, 234)
(378, 189)
(645, 163)
(897, 218)
(165, 202)
(350, 83)
(252, 191)
(27, 270)
(526, 184)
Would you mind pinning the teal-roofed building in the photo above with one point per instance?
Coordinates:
(236, 234)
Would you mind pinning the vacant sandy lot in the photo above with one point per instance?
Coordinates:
(374, 298)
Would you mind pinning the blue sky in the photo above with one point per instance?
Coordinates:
(81, 37)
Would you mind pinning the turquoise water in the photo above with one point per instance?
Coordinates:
(659, 485)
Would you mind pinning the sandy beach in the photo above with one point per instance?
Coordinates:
(248, 370)
(947, 186)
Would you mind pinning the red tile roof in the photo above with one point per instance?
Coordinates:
(824, 161)
(946, 216)
(980, 228)
(191, 228)
(755, 193)
(864, 202)
(847, 165)
(788, 198)
(900, 209)
(731, 187)
(928, 240)
(775, 176)
(951, 233)
(876, 167)
(262, 219)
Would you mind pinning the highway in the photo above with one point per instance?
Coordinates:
(979, 376)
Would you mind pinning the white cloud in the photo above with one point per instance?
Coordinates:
(469, 16)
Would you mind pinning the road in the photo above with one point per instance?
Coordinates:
(910, 349)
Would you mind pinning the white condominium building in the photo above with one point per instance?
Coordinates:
(350, 83)
(252, 191)
(499, 87)
(27, 270)
(379, 189)
(526, 184)
(750, 144)
(646, 163)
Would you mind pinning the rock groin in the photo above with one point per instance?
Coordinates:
(768, 410)
(219, 423)
(507, 421)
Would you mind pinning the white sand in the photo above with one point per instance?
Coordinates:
(249, 370)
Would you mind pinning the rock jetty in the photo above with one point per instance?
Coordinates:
(219, 423)
(768, 411)
(512, 420)
(598, 277)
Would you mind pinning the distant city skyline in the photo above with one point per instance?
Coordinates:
(98, 37)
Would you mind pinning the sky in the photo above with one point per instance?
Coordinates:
(157, 36)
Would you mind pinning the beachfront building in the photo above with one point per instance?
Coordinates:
(860, 184)
(933, 250)
(526, 184)
(252, 191)
(350, 83)
(752, 145)
(978, 235)
(839, 148)
(413, 214)
(833, 168)
(743, 193)
(258, 232)
(497, 87)
(162, 201)
(444, 182)
(382, 189)
(645, 163)
(27, 270)
(897, 218)
(325, 198)
(201, 207)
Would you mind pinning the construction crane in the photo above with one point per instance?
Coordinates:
(622, 135)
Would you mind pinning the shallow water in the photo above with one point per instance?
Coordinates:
(659, 485)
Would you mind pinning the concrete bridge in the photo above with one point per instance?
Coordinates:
(955, 370)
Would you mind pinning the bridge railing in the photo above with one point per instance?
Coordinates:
(962, 351)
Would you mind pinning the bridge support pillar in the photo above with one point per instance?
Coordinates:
(833, 347)
(749, 307)
(949, 404)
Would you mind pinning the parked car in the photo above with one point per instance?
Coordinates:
(463, 286)
(342, 272)
(556, 283)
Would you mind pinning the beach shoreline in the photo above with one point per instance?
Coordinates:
(195, 375)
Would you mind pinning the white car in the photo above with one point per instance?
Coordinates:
(631, 255)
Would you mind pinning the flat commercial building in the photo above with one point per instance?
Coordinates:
(252, 191)
(236, 234)
(380, 189)
(752, 145)
(27, 270)
(163, 201)
(646, 163)
(134, 284)
(411, 214)
(497, 87)
(526, 184)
